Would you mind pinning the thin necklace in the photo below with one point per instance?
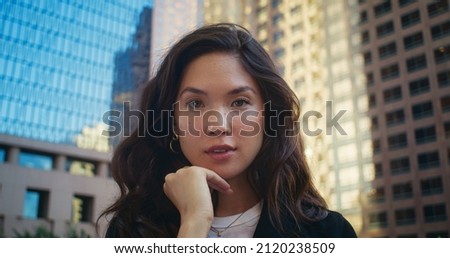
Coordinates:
(220, 232)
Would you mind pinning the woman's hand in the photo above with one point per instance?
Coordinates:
(189, 190)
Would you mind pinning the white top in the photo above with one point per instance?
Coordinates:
(242, 224)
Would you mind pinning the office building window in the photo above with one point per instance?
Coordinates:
(447, 129)
(435, 213)
(378, 170)
(295, 10)
(277, 18)
(370, 79)
(367, 58)
(437, 8)
(376, 146)
(442, 54)
(410, 19)
(400, 166)
(419, 86)
(402, 191)
(405, 216)
(363, 17)
(390, 72)
(437, 234)
(383, 8)
(441, 30)
(376, 195)
(413, 41)
(397, 141)
(82, 208)
(385, 29)
(35, 204)
(444, 78)
(80, 167)
(276, 3)
(422, 110)
(3, 152)
(395, 118)
(374, 123)
(372, 100)
(416, 63)
(445, 103)
(378, 220)
(365, 37)
(297, 45)
(277, 36)
(402, 3)
(431, 186)
(387, 50)
(393, 94)
(35, 160)
(428, 160)
(448, 155)
(425, 134)
(278, 53)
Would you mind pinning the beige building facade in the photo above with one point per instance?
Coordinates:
(54, 188)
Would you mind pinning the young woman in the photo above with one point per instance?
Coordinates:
(217, 151)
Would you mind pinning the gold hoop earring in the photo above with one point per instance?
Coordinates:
(174, 139)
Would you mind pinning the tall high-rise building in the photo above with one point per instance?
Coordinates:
(171, 20)
(405, 46)
(62, 63)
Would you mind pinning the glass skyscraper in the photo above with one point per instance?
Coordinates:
(63, 63)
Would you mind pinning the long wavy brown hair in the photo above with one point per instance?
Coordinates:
(279, 174)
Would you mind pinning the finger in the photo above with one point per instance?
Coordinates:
(217, 183)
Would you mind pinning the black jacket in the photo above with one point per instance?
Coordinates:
(333, 225)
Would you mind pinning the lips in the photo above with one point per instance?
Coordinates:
(221, 152)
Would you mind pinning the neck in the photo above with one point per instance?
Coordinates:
(242, 198)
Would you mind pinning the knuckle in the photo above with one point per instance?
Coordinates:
(168, 177)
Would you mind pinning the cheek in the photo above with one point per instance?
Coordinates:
(188, 148)
(249, 125)
(189, 126)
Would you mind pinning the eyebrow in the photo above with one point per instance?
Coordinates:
(232, 92)
(192, 90)
(240, 90)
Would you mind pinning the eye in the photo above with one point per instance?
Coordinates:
(194, 104)
(240, 102)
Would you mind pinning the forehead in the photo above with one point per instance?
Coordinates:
(216, 71)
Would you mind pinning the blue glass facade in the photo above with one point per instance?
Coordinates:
(58, 63)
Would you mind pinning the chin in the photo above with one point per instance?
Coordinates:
(228, 174)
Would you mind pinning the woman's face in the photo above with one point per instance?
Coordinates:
(219, 115)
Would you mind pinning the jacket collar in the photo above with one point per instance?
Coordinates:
(265, 229)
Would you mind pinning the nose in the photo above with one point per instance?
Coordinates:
(217, 122)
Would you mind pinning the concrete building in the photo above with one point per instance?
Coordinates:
(405, 47)
(51, 186)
